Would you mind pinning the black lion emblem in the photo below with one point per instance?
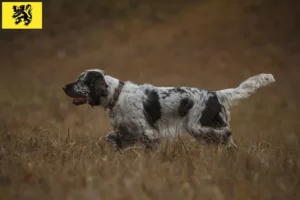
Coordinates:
(22, 13)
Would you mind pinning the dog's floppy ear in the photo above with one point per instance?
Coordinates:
(95, 80)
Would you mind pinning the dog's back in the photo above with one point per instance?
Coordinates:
(203, 114)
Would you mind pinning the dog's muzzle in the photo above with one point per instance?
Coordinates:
(77, 98)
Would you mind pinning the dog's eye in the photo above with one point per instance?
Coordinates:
(86, 80)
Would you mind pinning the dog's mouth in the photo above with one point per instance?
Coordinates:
(80, 100)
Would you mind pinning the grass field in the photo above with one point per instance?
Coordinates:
(50, 149)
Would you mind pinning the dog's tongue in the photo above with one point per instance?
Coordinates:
(79, 100)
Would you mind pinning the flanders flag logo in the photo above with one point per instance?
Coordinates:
(22, 15)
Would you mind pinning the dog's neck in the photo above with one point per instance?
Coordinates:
(115, 87)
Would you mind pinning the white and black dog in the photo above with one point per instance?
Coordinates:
(145, 113)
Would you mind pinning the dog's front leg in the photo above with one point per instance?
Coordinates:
(120, 140)
(112, 138)
(115, 138)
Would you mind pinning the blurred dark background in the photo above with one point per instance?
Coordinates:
(201, 25)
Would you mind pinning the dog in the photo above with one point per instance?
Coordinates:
(145, 114)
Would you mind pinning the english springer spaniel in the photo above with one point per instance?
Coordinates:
(146, 113)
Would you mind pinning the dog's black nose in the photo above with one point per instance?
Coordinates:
(65, 88)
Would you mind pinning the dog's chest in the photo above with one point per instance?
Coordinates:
(115, 117)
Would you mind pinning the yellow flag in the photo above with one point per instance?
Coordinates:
(22, 15)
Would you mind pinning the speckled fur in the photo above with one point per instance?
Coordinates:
(146, 113)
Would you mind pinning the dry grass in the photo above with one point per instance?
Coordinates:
(77, 167)
(50, 149)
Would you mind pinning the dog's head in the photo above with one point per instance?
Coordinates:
(88, 88)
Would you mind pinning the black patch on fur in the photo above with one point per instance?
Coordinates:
(167, 93)
(184, 107)
(194, 91)
(180, 90)
(152, 107)
(211, 114)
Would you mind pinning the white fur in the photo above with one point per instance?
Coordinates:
(148, 113)
(230, 97)
(129, 112)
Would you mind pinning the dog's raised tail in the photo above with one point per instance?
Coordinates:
(232, 96)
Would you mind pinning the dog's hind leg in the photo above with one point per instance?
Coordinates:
(213, 136)
(150, 143)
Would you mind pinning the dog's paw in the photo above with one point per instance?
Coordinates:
(111, 138)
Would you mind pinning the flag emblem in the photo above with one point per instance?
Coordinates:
(22, 15)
